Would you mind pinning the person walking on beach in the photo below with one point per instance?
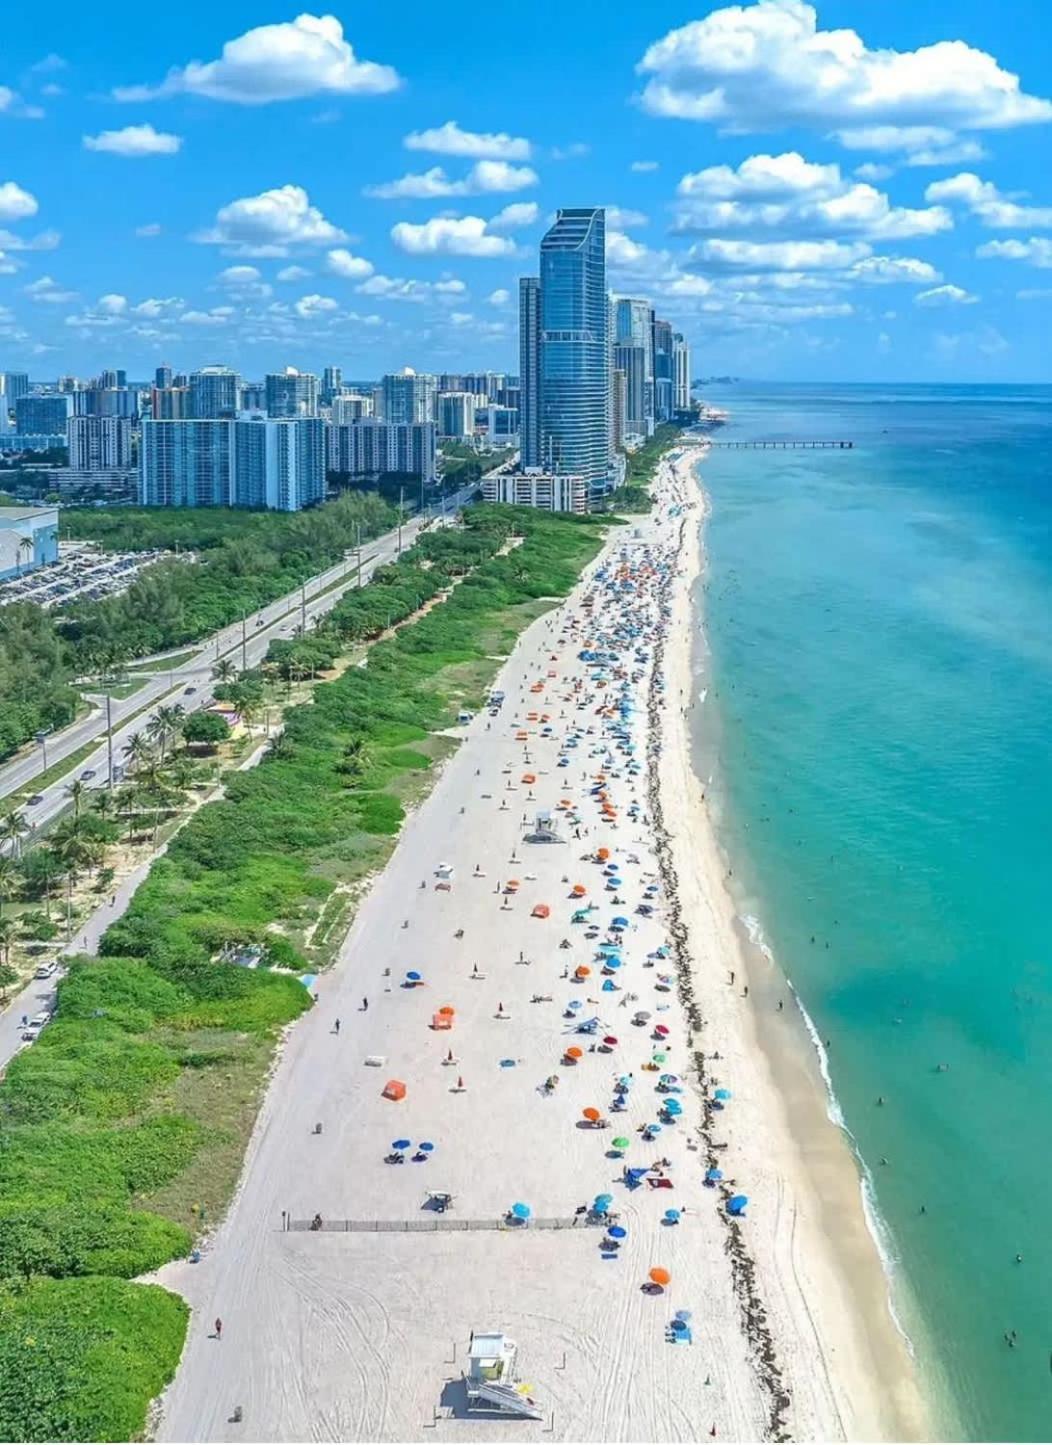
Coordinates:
(365, 1005)
(219, 1328)
(336, 1027)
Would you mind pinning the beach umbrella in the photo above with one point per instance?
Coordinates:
(659, 1058)
(653, 1128)
(413, 977)
(521, 1211)
(625, 1081)
(582, 970)
(684, 1316)
(673, 1108)
(610, 1039)
(736, 1205)
(669, 1079)
(573, 1052)
(611, 961)
(660, 1276)
(712, 1175)
(447, 1010)
(662, 1030)
(671, 1216)
(575, 1004)
(609, 986)
(723, 1094)
(401, 1144)
(619, 922)
(621, 1143)
(426, 1147)
(591, 1114)
(616, 1231)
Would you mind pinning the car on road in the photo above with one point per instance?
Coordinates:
(38, 1022)
(87, 775)
(46, 970)
(187, 691)
(34, 799)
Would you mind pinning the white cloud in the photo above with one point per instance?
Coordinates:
(870, 172)
(293, 273)
(622, 219)
(945, 296)
(788, 193)
(766, 66)
(500, 297)
(985, 201)
(315, 305)
(454, 236)
(519, 213)
(571, 152)
(112, 304)
(450, 140)
(43, 241)
(395, 288)
(15, 203)
(155, 306)
(134, 140)
(1034, 293)
(268, 224)
(244, 281)
(302, 57)
(484, 177)
(342, 263)
(887, 270)
(643, 166)
(1037, 250)
(48, 290)
(721, 255)
(12, 104)
(451, 286)
(215, 317)
(622, 251)
(922, 145)
(152, 228)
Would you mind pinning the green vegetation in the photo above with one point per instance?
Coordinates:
(634, 493)
(35, 690)
(462, 464)
(206, 727)
(131, 1112)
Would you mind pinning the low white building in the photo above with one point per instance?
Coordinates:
(550, 491)
(28, 539)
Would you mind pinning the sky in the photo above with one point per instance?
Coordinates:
(850, 191)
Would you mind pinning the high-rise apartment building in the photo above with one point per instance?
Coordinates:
(99, 443)
(680, 372)
(214, 393)
(292, 393)
(43, 414)
(331, 384)
(408, 396)
(633, 323)
(348, 406)
(632, 361)
(370, 447)
(162, 377)
(16, 385)
(252, 462)
(530, 370)
(574, 346)
(170, 403)
(618, 406)
(455, 413)
(661, 332)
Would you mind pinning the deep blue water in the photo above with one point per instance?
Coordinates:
(880, 626)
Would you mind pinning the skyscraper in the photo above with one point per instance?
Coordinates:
(255, 462)
(214, 393)
(530, 370)
(99, 443)
(187, 463)
(661, 332)
(44, 414)
(279, 464)
(162, 377)
(574, 349)
(631, 359)
(331, 383)
(408, 396)
(292, 393)
(680, 372)
(634, 327)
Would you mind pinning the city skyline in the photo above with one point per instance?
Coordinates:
(343, 190)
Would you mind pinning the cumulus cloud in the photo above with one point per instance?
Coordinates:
(945, 296)
(342, 263)
(216, 317)
(484, 176)
(12, 104)
(500, 297)
(984, 200)
(922, 145)
(887, 270)
(451, 235)
(151, 228)
(244, 281)
(511, 218)
(47, 290)
(15, 203)
(1037, 250)
(450, 140)
(268, 224)
(623, 219)
(788, 193)
(112, 304)
(396, 288)
(42, 241)
(308, 307)
(723, 255)
(134, 141)
(768, 65)
(292, 273)
(287, 61)
(642, 166)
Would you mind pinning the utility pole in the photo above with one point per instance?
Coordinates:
(244, 643)
(303, 606)
(358, 543)
(109, 742)
(42, 740)
(401, 504)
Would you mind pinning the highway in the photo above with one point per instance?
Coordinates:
(190, 684)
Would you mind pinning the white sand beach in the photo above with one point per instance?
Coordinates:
(361, 1334)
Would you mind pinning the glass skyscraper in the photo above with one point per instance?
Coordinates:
(530, 370)
(574, 346)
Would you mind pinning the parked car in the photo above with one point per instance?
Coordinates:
(46, 970)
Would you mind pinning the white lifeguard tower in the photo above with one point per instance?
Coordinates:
(490, 1377)
(544, 830)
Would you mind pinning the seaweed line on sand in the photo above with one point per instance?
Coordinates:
(743, 1268)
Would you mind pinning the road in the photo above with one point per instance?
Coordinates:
(190, 684)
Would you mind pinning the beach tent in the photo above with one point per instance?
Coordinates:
(441, 1021)
(541, 910)
(736, 1205)
(394, 1089)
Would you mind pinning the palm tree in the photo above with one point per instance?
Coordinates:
(166, 726)
(224, 671)
(13, 828)
(138, 750)
(7, 937)
(8, 873)
(75, 793)
(104, 804)
(38, 872)
(27, 546)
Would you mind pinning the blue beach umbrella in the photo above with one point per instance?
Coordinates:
(611, 961)
(673, 1108)
(671, 1216)
(712, 1175)
(575, 1004)
(401, 1144)
(609, 986)
(413, 977)
(521, 1211)
(737, 1204)
(616, 1231)
(723, 1094)
(619, 922)
(425, 1148)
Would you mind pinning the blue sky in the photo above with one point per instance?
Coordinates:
(850, 191)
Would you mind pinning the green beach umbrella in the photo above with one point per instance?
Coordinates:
(621, 1143)
(659, 1058)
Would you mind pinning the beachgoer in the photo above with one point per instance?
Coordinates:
(365, 1005)
(336, 1027)
(219, 1328)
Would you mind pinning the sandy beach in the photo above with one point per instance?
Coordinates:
(358, 1330)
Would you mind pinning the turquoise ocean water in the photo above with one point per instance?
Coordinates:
(880, 719)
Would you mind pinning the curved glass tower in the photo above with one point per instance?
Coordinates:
(574, 346)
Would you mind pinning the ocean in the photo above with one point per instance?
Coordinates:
(877, 727)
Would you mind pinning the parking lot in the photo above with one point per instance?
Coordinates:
(83, 572)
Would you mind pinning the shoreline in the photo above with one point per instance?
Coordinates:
(826, 1282)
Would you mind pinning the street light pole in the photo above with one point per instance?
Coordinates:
(109, 742)
(358, 545)
(244, 643)
(303, 607)
(401, 505)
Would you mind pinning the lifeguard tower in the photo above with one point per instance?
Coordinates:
(544, 830)
(490, 1377)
